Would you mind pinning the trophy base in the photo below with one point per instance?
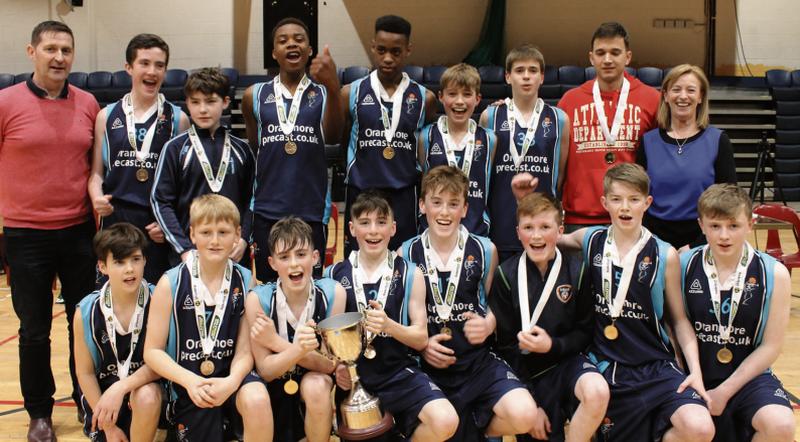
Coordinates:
(357, 434)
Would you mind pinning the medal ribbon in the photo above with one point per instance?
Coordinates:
(287, 124)
(208, 335)
(528, 320)
(533, 123)
(599, 109)
(214, 183)
(444, 306)
(386, 271)
(285, 314)
(113, 325)
(450, 145)
(611, 255)
(710, 269)
(389, 128)
(130, 123)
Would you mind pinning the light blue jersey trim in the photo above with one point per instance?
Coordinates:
(491, 115)
(425, 141)
(106, 148)
(86, 307)
(355, 89)
(491, 145)
(409, 285)
(486, 249)
(658, 291)
(769, 270)
(561, 119)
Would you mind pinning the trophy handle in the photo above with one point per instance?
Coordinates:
(323, 348)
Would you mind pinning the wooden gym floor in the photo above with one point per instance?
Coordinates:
(14, 420)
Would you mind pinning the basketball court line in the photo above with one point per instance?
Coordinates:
(11, 338)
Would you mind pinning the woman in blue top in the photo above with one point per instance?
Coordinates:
(683, 157)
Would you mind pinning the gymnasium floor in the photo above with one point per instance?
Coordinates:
(14, 420)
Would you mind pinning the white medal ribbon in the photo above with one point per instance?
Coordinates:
(533, 123)
(610, 256)
(285, 314)
(599, 109)
(215, 183)
(386, 271)
(450, 144)
(389, 128)
(287, 124)
(710, 269)
(445, 306)
(130, 123)
(208, 334)
(528, 320)
(113, 325)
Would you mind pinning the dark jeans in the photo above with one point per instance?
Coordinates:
(261, 229)
(35, 257)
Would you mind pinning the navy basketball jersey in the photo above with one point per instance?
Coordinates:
(748, 324)
(393, 355)
(541, 161)
(642, 336)
(99, 345)
(324, 290)
(470, 297)
(119, 158)
(477, 219)
(184, 344)
(293, 183)
(368, 165)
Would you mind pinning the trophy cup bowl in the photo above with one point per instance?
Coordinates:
(361, 415)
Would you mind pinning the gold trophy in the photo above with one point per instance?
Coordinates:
(361, 415)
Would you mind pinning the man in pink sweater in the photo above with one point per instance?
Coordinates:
(46, 134)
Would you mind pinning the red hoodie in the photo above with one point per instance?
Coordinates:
(586, 163)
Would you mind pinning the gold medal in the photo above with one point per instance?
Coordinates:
(388, 153)
(290, 148)
(610, 157)
(724, 356)
(207, 367)
(291, 387)
(369, 352)
(142, 175)
(446, 330)
(611, 332)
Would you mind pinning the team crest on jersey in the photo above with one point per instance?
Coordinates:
(311, 97)
(749, 289)
(644, 266)
(270, 98)
(435, 149)
(476, 153)
(606, 427)
(345, 283)
(469, 267)
(236, 293)
(504, 126)
(117, 124)
(368, 100)
(598, 260)
(188, 304)
(411, 102)
(696, 288)
(182, 432)
(564, 293)
(546, 126)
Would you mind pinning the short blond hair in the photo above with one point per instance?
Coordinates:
(628, 173)
(664, 115)
(524, 52)
(445, 179)
(461, 75)
(212, 208)
(536, 203)
(724, 200)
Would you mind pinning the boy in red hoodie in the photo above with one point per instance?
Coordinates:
(601, 136)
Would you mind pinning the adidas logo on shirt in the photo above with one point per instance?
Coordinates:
(188, 304)
(117, 124)
(781, 394)
(696, 288)
(270, 99)
(346, 283)
(435, 149)
(504, 126)
(367, 101)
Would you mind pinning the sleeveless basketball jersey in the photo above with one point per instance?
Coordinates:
(183, 343)
(366, 165)
(97, 340)
(541, 161)
(642, 336)
(295, 184)
(477, 219)
(748, 324)
(119, 159)
(324, 290)
(470, 296)
(392, 355)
